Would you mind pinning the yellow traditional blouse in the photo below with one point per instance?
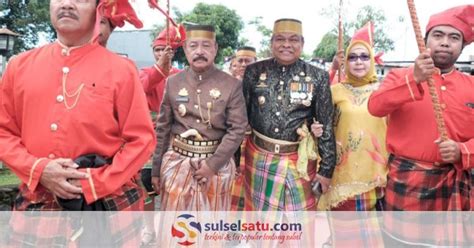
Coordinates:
(360, 141)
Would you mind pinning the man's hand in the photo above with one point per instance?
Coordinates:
(55, 178)
(449, 151)
(164, 62)
(317, 129)
(237, 171)
(424, 66)
(324, 181)
(204, 174)
(239, 76)
(155, 182)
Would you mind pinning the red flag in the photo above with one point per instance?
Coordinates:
(119, 11)
(154, 5)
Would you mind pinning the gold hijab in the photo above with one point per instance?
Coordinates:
(371, 75)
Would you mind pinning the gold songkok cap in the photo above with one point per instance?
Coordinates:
(200, 32)
(246, 51)
(288, 26)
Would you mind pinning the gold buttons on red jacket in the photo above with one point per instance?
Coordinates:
(53, 127)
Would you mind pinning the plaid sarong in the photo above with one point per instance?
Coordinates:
(238, 190)
(445, 229)
(273, 183)
(418, 186)
(42, 200)
(30, 227)
(368, 201)
(355, 229)
(181, 192)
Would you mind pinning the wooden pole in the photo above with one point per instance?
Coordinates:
(168, 23)
(340, 40)
(432, 88)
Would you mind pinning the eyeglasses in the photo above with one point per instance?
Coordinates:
(355, 57)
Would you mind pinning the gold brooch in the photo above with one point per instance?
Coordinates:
(261, 100)
(307, 79)
(183, 92)
(215, 93)
(182, 110)
(306, 102)
(182, 95)
(263, 76)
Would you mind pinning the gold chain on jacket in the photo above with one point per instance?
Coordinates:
(209, 107)
(66, 95)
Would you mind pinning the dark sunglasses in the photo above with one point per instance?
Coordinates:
(362, 57)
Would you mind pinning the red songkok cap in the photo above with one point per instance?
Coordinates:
(460, 18)
(177, 36)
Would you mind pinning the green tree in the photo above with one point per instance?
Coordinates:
(243, 42)
(327, 48)
(381, 40)
(29, 18)
(226, 22)
(266, 33)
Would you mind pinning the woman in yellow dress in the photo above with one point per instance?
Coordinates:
(361, 172)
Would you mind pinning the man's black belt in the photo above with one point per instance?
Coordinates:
(272, 145)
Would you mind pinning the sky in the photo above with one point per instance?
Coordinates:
(314, 24)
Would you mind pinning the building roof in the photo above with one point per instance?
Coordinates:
(134, 44)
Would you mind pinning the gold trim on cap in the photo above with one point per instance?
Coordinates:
(246, 53)
(288, 26)
(200, 34)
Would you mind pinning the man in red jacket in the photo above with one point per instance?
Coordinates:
(153, 78)
(63, 101)
(89, 113)
(426, 173)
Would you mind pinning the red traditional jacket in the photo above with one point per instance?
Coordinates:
(154, 80)
(59, 103)
(412, 129)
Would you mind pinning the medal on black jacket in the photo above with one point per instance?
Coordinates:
(262, 79)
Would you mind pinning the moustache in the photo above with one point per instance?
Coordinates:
(67, 14)
(200, 58)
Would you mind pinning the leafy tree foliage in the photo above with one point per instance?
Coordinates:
(227, 22)
(29, 18)
(327, 48)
